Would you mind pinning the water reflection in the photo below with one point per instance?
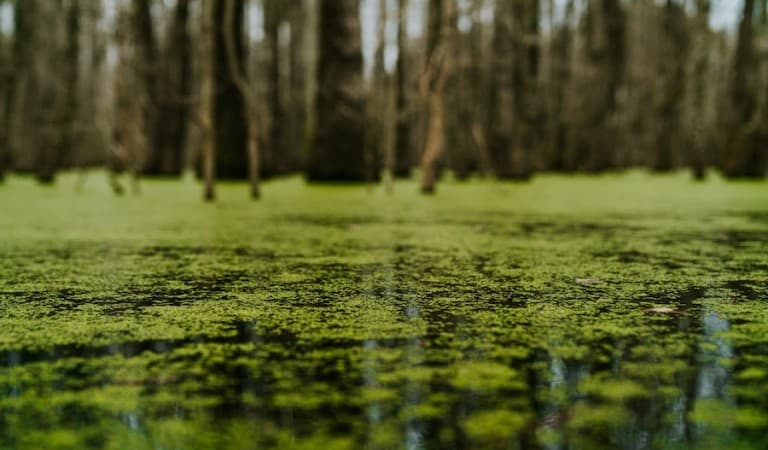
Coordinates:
(415, 393)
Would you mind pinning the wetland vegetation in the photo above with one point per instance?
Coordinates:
(621, 311)
(424, 224)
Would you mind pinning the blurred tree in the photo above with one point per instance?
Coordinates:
(41, 91)
(69, 111)
(699, 71)
(745, 149)
(249, 102)
(500, 86)
(145, 60)
(440, 64)
(274, 13)
(402, 154)
(172, 97)
(514, 109)
(337, 150)
(230, 127)
(600, 59)
(129, 84)
(378, 134)
(291, 156)
(559, 83)
(671, 79)
(209, 50)
(6, 94)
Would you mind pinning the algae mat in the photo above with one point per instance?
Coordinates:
(615, 312)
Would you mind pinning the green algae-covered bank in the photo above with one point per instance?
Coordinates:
(616, 312)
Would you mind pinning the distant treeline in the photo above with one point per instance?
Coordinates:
(241, 89)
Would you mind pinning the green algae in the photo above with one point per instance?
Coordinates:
(331, 317)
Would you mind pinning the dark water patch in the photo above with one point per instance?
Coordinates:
(330, 221)
(736, 239)
(174, 252)
(685, 299)
(243, 333)
(743, 289)
(756, 216)
(583, 229)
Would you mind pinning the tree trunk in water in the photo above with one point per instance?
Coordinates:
(514, 112)
(292, 156)
(592, 138)
(337, 152)
(439, 68)
(69, 116)
(146, 62)
(7, 82)
(560, 66)
(45, 93)
(402, 150)
(671, 74)
(172, 98)
(249, 109)
(277, 117)
(524, 78)
(229, 125)
(377, 132)
(745, 155)
(207, 96)
(699, 70)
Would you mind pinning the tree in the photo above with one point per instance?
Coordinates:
(6, 95)
(276, 138)
(438, 70)
(229, 124)
(171, 99)
(560, 53)
(143, 48)
(671, 78)
(337, 149)
(207, 95)
(514, 111)
(378, 134)
(401, 166)
(41, 93)
(70, 109)
(745, 151)
(130, 111)
(249, 102)
(600, 63)
(699, 70)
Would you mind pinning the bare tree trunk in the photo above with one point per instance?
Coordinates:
(69, 139)
(699, 70)
(401, 158)
(249, 103)
(671, 74)
(745, 150)
(439, 68)
(378, 94)
(231, 129)
(277, 117)
(208, 46)
(526, 98)
(560, 67)
(171, 99)
(293, 159)
(601, 59)
(7, 81)
(145, 61)
(337, 152)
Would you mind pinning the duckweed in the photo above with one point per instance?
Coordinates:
(338, 318)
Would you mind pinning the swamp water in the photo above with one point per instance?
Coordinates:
(619, 312)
